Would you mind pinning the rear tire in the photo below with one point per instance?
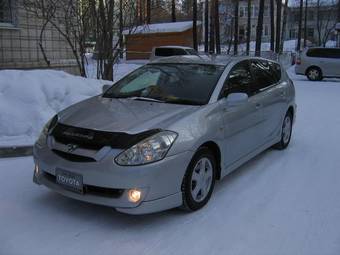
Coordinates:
(286, 132)
(199, 180)
(314, 74)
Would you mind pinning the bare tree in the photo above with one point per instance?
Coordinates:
(212, 28)
(173, 10)
(248, 26)
(259, 29)
(272, 26)
(298, 45)
(194, 23)
(326, 20)
(284, 25)
(121, 26)
(148, 11)
(217, 27)
(206, 26)
(236, 7)
(305, 25)
(278, 25)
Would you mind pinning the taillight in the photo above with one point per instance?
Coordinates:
(298, 61)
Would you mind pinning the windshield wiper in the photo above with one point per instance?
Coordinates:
(146, 99)
(182, 101)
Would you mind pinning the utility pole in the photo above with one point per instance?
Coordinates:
(248, 27)
(259, 29)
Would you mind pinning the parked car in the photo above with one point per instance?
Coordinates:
(168, 51)
(317, 63)
(162, 135)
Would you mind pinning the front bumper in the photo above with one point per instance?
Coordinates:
(106, 183)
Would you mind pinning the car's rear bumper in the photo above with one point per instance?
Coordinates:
(108, 184)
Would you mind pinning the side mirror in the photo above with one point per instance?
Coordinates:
(105, 87)
(234, 99)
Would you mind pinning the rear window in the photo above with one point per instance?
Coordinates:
(324, 53)
(166, 52)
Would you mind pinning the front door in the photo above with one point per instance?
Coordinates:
(241, 121)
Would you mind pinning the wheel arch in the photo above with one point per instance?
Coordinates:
(213, 146)
(313, 66)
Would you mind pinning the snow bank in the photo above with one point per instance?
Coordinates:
(28, 99)
(162, 28)
(289, 45)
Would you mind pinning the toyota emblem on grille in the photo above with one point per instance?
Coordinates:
(71, 147)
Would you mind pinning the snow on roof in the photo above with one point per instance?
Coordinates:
(162, 28)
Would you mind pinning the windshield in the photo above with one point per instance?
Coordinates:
(169, 83)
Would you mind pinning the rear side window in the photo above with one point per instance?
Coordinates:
(323, 53)
(265, 74)
(166, 52)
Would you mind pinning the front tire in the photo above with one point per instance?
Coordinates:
(286, 132)
(199, 180)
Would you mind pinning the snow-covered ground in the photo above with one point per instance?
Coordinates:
(282, 202)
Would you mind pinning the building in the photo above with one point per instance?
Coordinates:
(19, 41)
(321, 22)
(226, 10)
(141, 40)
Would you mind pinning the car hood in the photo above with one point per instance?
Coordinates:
(123, 115)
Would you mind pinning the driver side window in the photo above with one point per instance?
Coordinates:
(238, 80)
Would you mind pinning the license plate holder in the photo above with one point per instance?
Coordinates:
(69, 180)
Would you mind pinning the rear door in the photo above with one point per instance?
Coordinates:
(333, 62)
(269, 91)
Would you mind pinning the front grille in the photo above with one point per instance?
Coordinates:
(95, 140)
(90, 189)
(73, 157)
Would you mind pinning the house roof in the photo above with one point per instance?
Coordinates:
(161, 28)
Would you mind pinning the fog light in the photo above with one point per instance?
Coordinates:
(134, 195)
(36, 170)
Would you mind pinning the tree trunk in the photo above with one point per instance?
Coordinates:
(212, 29)
(194, 24)
(278, 25)
(248, 27)
(121, 25)
(259, 29)
(217, 27)
(318, 22)
(272, 26)
(173, 10)
(305, 28)
(298, 45)
(141, 12)
(148, 11)
(236, 6)
(284, 24)
(206, 26)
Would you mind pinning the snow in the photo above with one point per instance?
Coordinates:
(28, 99)
(288, 45)
(282, 202)
(161, 28)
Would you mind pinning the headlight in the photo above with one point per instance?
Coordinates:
(46, 130)
(149, 150)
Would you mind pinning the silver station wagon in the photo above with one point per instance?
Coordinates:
(161, 136)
